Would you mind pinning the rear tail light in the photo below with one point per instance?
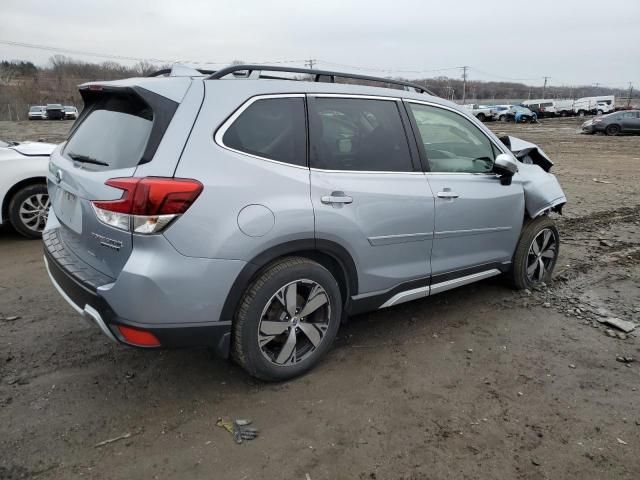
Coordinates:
(147, 204)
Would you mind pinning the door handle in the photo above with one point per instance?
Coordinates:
(336, 198)
(447, 194)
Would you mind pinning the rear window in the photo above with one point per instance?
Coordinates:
(115, 132)
(271, 128)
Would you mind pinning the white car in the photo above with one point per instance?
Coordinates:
(70, 112)
(500, 112)
(23, 186)
(37, 112)
(481, 112)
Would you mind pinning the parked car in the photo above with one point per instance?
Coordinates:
(253, 216)
(55, 111)
(542, 108)
(520, 114)
(23, 189)
(481, 112)
(37, 112)
(563, 108)
(614, 123)
(500, 112)
(593, 105)
(70, 112)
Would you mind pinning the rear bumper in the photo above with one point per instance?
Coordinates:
(85, 298)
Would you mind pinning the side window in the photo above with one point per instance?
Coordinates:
(272, 128)
(451, 142)
(357, 134)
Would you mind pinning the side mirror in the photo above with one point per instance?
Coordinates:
(506, 167)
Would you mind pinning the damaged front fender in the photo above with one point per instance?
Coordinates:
(542, 191)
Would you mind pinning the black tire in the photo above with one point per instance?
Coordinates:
(612, 130)
(523, 259)
(481, 117)
(258, 298)
(26, 228)
(563, 114)
(502, 118)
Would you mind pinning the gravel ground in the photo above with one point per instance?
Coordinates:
(477, 383)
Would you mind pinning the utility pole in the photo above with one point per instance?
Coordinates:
(544, 87)
(310, 63)
(630, 92)
(464, 83)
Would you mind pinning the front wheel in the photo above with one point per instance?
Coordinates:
(28, 210)
(287, 319)
(612, 130)
(536, 253)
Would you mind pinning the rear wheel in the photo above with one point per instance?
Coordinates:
(481, 117)
(536, 253)
(612, 130)
(287, 319)
(28, 210)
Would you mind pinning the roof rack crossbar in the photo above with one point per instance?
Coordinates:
(317, 75)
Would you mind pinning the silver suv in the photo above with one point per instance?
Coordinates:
(251, 213)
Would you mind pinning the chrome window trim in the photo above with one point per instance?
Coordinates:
(354, 95)
(219, 134)
(365, 172)
(501, 148)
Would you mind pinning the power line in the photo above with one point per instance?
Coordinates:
(386, 70)
(56, 49)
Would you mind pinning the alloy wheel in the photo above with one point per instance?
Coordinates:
(294, 322)
(542, 255)
(34, 211)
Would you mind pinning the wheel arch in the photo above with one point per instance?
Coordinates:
(14, 189)
(330, 255)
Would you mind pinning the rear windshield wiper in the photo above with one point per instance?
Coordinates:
(86, 159)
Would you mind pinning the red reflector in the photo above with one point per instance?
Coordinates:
(138, 337)
(95, 88)
(152, 195)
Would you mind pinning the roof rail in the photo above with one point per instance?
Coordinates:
(319, 75)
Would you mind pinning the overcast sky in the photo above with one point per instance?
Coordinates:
(575, 42)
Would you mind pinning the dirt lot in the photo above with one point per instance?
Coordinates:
(476, 383)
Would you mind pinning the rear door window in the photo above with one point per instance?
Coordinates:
(114, 134)
(355, 134)
(271, 128)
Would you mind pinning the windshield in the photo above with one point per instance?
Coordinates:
(35, 109)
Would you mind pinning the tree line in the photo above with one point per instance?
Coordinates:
(23, 83)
